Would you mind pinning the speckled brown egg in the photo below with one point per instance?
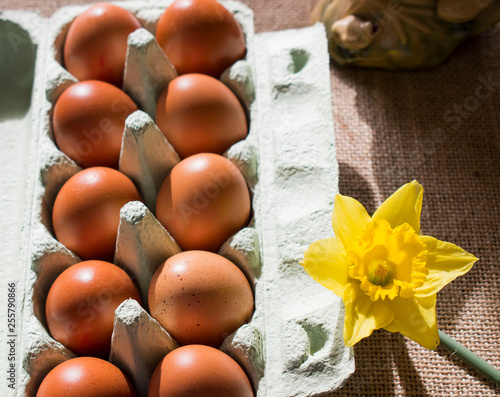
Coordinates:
(199, 371)
(86, 211)
(203, 201)
(200, 297)
(86, 377)
(199, 114)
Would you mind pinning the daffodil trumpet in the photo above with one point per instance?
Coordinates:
(386, 272)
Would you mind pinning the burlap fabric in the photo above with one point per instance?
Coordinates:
(441, 127)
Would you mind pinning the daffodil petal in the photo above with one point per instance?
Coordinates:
(325, 262)
(348, 219)
(362, 316)
(404, 206)
(445, 262)
(416, 319)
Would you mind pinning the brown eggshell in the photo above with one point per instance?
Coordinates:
(200, 297)
(199, 114)
(203, 201)
(96, 43)
(200, 36)
(200, 371)
(86, 211)
(86, 377)
(81, 304)
(88, 123)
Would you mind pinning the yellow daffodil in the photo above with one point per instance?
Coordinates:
(385, 271)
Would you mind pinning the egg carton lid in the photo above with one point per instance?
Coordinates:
(295, 136)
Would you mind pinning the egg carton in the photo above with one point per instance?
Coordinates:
(293, 344)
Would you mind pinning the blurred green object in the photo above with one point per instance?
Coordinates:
(401, 34)
(17, 68)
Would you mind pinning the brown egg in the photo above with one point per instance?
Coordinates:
(86, 377)
(199, 114)
(88, 123)
(203, 201)
(96, 43)
(200, 298)
(81, 304)
(200, 36)
(86, 211)
(200, 371)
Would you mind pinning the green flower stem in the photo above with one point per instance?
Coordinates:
(470, 358)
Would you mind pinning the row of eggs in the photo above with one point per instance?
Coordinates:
(196, 113)
(198, 296)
